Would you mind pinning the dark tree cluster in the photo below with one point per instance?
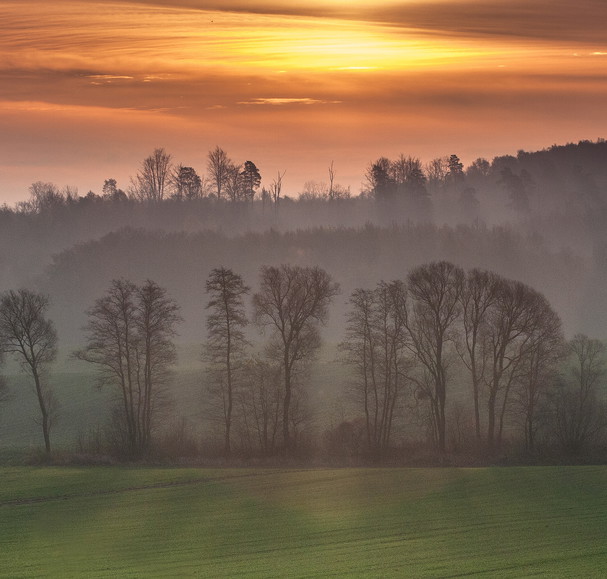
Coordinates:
(423, 353)
(264, 392)
(417, 340)
(130, 340)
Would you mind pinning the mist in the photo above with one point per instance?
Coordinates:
(536, 218)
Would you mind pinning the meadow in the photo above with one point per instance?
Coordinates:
(374, 522)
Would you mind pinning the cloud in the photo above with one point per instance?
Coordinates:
(277, 101)
(582, 21)
(558, 20)
(426, 78)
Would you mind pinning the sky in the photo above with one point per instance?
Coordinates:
(88, 89)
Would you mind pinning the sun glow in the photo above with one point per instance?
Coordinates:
(292, 80)
(120, 43)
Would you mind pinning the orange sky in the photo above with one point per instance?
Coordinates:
(88, 89)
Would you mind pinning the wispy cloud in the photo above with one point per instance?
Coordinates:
(377, 77)
(562, 20)
(278, 101)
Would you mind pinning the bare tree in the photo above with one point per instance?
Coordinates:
(150, 183)
(129, 338)
(234, 185)
(375, 346)
(360, 349)
(510, 328)
(408, 174)
(260, 401)
(5, 394)
(580, 409)
(26, 333)
(435, 291)
(293, 301)
(543, 351)
(156, 317)
(436, 171)
(218, 166)
(226, 340)
(43, 197)
(314, 191)
(276, 188)
(479, 295)
(331, 179)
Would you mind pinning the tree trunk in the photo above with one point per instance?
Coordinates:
(286, 404)
(43, 410)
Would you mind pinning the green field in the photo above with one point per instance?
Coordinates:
(141, 522)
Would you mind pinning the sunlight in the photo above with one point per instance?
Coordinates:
(138, 39)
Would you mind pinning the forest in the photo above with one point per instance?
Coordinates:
(442, 312)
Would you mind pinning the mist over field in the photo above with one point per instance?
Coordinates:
(542, 224)
(535, 218)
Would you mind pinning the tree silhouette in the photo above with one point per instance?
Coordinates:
(130, 339)
(26, 333)
(226, 341)
(218, 166)
(150, 183)
(251, 179)
(293, 301)
(435, 291)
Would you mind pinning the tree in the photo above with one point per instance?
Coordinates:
(478, 297)
(30, 337)
(130, 339)
(331, 179)
(579, 406)
(543, 351)
(186, 183)
(156, 317)
(409, 177)
(435, 291)
(436, 171)
(226, 340)
(4, 391)
(111, 191)
(233, 183)
(218, 165)
(480, 169)
(455, 172)
(517, 315)
(380, 181)
(375, 346)
(43, 197)
(150, 183)
(517, 189)
(250, 179)
(276, 188)
(260, 401)
(293, 301)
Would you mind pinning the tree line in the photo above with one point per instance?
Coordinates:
(413, 350)
(523, 181)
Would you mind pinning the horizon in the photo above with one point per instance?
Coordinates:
(85, 99)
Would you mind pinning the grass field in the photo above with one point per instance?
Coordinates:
(140, 522)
